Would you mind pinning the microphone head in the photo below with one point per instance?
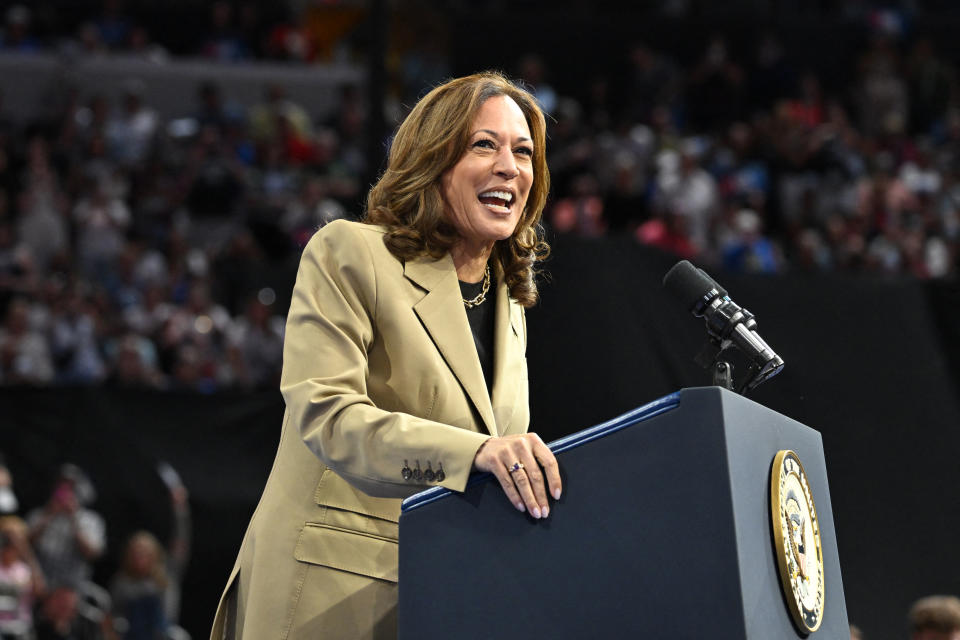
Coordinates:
(723, 292)
(691, 286)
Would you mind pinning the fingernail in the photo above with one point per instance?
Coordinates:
(520, 507)
(556, 494)
(536, 512)
(546, 511)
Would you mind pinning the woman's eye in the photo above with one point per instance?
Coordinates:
(484, 144)
(526, 151)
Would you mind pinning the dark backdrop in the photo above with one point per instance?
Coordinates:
(871, 364)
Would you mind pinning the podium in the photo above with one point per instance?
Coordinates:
(663, 530)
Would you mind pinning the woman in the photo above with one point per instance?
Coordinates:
(145, 590)
(404, 367)
(21, 580)
(137, 590)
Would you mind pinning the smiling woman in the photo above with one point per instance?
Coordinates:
(487, 189)
(442, 131)
(404, 367)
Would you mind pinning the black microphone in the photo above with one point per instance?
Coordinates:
(727, 322)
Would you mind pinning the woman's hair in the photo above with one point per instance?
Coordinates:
(12, 527)
(407, 199)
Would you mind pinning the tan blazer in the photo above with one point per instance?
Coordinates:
(379, 372)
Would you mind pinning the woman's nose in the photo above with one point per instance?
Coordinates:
(506, 164)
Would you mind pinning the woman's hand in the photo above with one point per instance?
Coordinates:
(515, 461)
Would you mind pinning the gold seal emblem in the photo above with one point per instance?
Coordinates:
(796, 534)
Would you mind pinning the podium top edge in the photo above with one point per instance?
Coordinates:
(572, 441)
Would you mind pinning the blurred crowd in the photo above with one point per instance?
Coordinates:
(756, 166)
(222, 30)
(149, 251)
(131, 249)
(47, 558)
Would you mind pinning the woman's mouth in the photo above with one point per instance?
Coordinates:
(496, 201)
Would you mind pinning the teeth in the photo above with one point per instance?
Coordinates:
(503, 195)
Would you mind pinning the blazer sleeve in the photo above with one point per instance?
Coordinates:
(330, 328)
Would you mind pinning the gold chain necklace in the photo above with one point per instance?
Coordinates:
(473, 302)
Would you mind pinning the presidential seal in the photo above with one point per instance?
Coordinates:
(796, 535)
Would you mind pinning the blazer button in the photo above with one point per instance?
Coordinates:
(406, 472)
(439, 475)
(429, 475)
(417, 473)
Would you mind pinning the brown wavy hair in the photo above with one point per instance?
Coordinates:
(407, 198)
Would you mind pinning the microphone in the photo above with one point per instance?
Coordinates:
(728, 324)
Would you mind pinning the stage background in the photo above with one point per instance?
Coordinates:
(873, 365)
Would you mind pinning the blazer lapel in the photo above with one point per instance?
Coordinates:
(508, 355)
(450, 331)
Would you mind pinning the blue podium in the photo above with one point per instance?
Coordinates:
(664, 530)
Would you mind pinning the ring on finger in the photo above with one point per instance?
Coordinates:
(517, 466)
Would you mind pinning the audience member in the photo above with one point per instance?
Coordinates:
(24, 352)
(21, 580)
(685, 189)
(935, 618)
(134, 364)
(17, 36)
(131, 130)
(745, 249)
(113, 25)
(66, 535)
(145, 591)
(266, 117)
(223, 43)
(137, 588)
(257, 341)
(60, 617)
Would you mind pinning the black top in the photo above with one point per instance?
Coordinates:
(481, 325)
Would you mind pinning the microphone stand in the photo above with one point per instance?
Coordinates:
(723, 374)
(722, 371)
